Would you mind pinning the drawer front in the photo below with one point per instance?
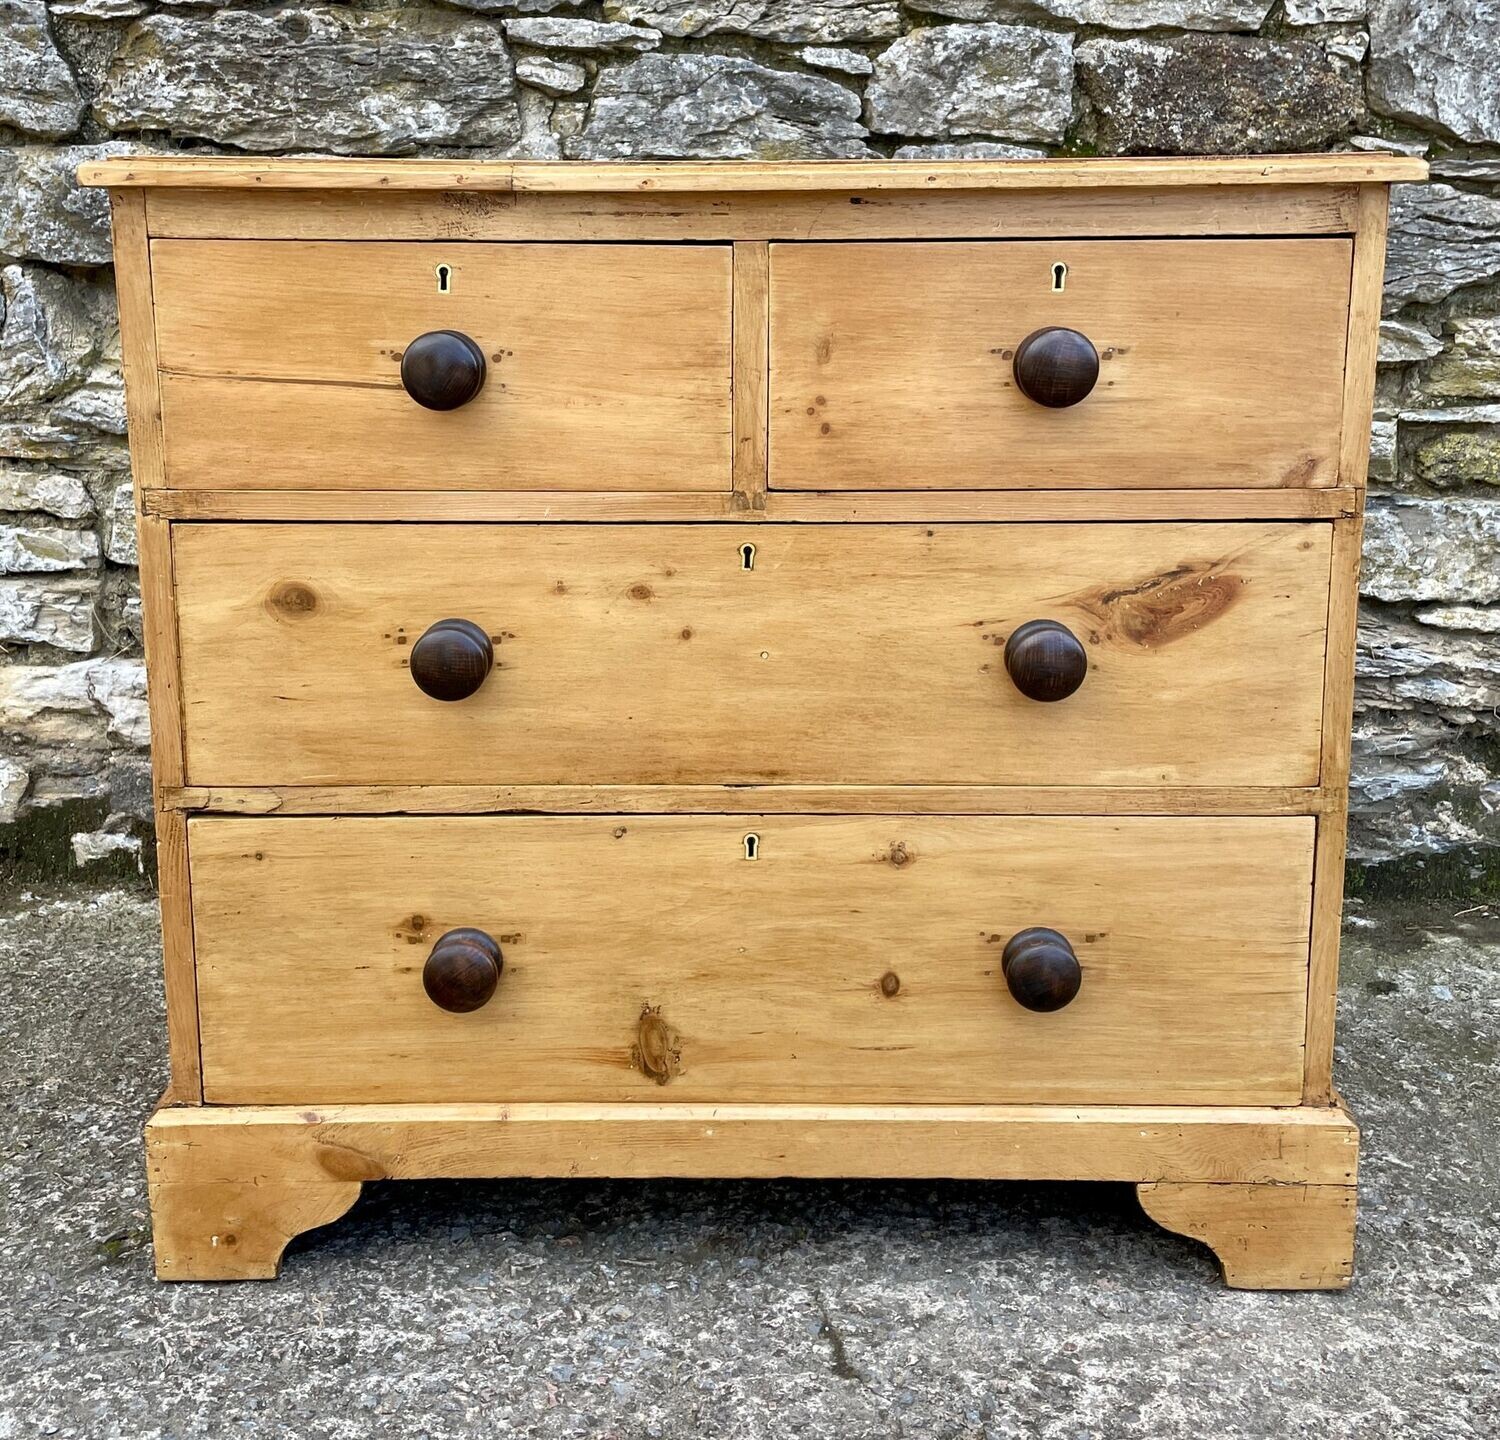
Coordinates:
(1221, 364)
(606, 367)
(855, 959)
(649, 654)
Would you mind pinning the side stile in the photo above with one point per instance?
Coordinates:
(1343, 621)
(168, 764)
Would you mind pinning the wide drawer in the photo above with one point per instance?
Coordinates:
(1221, 363)
(607, 367)
(846, 654)
(854, 959)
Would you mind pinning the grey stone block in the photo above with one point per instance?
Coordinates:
(380, 82)
(38, 547)
(1432, 550)
(38, 94)
(1010, 81)
(550, 76)
(61, 392)
(54, 492)
(1441, 240)
(674, 106)
(1438, 65)
(794, 22)
(547, 33)
(57, 612)
(1112, 14)
(45, 214)
(1217, 94)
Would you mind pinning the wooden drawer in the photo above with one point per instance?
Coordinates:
(856, 959)
(854, 654)
(1221, 364)
(607, 366)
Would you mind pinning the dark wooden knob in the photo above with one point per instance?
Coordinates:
(1056, 367)
(442, 369)
(451, 659)
(461, 973)
(1045, 660)
(1041, 971)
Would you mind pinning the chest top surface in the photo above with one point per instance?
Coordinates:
(728, 176)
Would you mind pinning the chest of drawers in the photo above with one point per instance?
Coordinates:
(751, 670)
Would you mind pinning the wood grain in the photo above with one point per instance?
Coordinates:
(763, 980)
(1265, 1237)
(231, 1229)
(1012, 506)
(179, 965)
(1222, 365)
(1366, 294)
(610, 366)
(751, 366)
(159, 638)
(683, 177)
(1343, 623)
(641, 655)
(230, 1186)
(164, 700)
(445, 505)
(750, 216)
(642, 1139)
(1328, 872)
(137, 339)
(737, 799)
(1031, 506)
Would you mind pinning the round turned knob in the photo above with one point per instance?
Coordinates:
(451, 659)
(461, 973)
(1056, 367)
(1041, 971)
(442, 369)
(1045, 660)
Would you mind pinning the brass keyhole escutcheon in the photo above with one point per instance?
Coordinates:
(444, 279)
(1059, 276)
(747, 556)
(752, 846)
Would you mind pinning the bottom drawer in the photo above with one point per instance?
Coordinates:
(853, 959)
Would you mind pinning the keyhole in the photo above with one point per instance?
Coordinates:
(747, 562)
(1059, 275)
(752, 847)
(444, 274)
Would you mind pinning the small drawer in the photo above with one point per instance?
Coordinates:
(853, 959)
(1159, 363)
(290, 365)
(863, 654)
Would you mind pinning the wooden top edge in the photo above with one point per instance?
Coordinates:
(1312, 1117)
(251, 173)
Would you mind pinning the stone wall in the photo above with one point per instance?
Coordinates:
(774, 79)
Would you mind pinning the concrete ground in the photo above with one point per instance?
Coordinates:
(741, 1310)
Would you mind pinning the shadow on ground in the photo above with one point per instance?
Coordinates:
(729, 1309)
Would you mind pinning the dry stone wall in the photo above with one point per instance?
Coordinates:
(616, 79)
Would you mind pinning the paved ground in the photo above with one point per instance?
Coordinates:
(735, 1310)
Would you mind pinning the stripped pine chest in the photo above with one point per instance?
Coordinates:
(751, 670)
